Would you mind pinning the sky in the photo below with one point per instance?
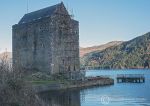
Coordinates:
(100, 21)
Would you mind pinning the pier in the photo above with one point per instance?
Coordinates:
(130, 78)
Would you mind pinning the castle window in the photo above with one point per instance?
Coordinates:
(63, 61)
(42, 45)
(60, 32)
(68, 68)
(74, 68)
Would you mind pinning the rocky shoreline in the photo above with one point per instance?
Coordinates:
(89, 82)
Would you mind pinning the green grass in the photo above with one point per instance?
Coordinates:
(44, 82)
(43, 79)
(40, 82)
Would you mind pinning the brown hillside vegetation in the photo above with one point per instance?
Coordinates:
(84, 51)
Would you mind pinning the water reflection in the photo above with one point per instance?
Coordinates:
(62, 98)
(119, 94)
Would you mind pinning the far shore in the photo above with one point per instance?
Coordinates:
(119, 69)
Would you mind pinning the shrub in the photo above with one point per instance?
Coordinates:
(14, 89)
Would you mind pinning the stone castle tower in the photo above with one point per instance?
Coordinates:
(47, 40)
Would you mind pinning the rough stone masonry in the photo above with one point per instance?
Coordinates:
(47, 40)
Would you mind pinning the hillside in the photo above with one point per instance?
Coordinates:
(84, 51)
(130, 54)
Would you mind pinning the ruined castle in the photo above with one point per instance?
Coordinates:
(47, 40)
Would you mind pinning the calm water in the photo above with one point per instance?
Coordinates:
(122, 94)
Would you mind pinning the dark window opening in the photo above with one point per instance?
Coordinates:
(74, 68)
(68, 68)
(63, 61)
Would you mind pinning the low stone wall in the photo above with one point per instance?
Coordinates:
(75, 85)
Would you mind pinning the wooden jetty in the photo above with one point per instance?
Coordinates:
(130, 78)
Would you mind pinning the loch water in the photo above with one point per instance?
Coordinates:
(119, 94)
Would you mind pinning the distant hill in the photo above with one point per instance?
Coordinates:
(130, 54)
(86, 50)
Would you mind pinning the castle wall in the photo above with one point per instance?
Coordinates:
(65, 44)
(49, 44)
(31, 45)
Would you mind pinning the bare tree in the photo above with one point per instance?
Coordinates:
(14, 89)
